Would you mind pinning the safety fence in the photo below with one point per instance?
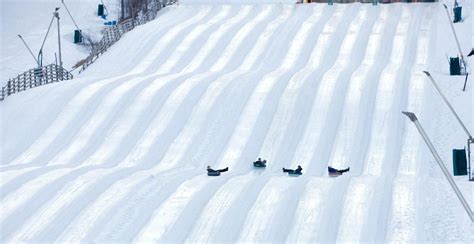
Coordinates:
(112, 34)
(33, 78)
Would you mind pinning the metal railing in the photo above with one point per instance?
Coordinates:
(33, 78)
(114, 33)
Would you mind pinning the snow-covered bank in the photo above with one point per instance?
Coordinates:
(31, 18)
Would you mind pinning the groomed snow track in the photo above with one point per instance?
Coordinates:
(119, 154)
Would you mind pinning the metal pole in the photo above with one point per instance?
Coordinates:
(456, 37)
(62, 1)
(451, 181)
(29, 50)
(469, 142)
(465, 82)
(449, 105)
(40, 53)
(56, 14)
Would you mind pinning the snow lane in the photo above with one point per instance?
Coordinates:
(275, 135)
(135, 45)
(210, 219)
(403, 222)
(273, 140)
(64, 119)
(234, 83)
(357, 104)
(107, 111)
(143, 146)
(75, 110)
(380, 150)
(363, 188)
(198, 115)
(307, 218)
(164, 217)
(37, 184)
(360, 21)
(320, 115)
(178, 96)
(254, 190)
(238, 39)
(206, 231)
(108, 149)
(17, 145)
(322, 234)
(203, 108)
(180, 145)
(109, 146)
(355, 109)
(161, 45)
(255, 103)
(192, 37)
(261, 216)
(177, 233)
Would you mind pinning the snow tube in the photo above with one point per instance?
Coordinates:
(259, 165)
(293, 173)
(215, 173)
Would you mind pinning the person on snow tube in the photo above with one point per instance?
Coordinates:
(297, 171)
(337, 172)
(215, 172)
(260, 163)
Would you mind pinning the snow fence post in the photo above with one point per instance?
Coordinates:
(438, 160)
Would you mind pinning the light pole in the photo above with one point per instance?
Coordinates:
(40, 53)
(29, 50)
(56, 15)
(443, 168)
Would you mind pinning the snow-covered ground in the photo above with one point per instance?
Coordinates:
(31, 18)
(119, 153)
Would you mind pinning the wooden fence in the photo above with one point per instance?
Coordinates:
(33, 78)
(114, 33)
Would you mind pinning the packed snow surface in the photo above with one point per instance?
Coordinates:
(120, 152)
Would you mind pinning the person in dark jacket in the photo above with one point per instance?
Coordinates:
(471, 53)
(337, 172)
(209, 169)
(294, 171)
(260, 163)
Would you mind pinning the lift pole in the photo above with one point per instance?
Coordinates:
(56, 15)
(443, 168)
(447, 103)
(29, 50)
(40, 53)
(62, 1)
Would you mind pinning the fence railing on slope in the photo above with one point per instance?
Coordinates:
(114, 33)
(33, 78)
